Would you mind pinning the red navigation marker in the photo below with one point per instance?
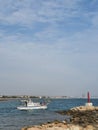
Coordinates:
(88, 104)
(88, 95)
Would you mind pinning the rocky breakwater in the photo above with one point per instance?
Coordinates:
(84, 116)
(81, 118)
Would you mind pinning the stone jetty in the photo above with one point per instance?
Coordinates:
(81, 118)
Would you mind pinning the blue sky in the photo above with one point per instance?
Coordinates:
(49, 47)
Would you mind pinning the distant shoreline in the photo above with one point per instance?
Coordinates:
(6, 99)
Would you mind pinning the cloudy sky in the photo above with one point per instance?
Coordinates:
(49, 47)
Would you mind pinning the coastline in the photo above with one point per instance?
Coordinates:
(8, 98)
(81, 118)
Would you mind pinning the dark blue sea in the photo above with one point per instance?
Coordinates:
(13, 119)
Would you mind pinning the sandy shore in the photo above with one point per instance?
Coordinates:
(82, 118)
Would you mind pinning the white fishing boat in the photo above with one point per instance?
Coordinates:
(30, 105)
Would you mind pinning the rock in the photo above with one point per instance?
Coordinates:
(81, 118)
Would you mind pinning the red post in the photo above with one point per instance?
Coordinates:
(88, 95)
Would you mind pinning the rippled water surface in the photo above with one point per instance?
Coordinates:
(13, 119)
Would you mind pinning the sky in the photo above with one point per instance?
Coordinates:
(49, 47)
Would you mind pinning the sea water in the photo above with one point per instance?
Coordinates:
(13, 119)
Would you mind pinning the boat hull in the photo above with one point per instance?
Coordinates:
(31, 107)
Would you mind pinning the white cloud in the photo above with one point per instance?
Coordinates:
(95, 20)
(48, 44)
(26, 13)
